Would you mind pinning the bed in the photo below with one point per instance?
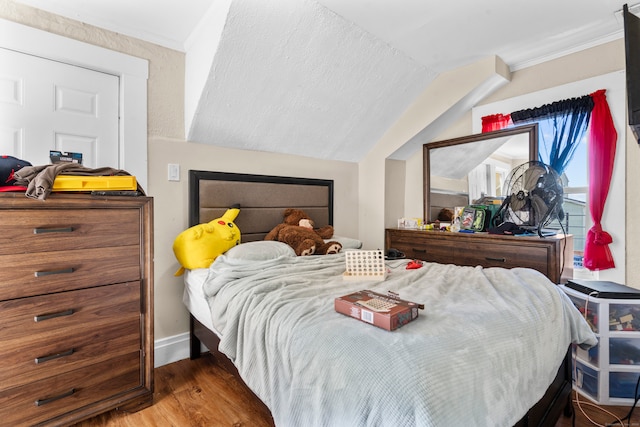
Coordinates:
(489, 349)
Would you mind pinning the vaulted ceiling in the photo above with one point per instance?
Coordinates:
(328, 78)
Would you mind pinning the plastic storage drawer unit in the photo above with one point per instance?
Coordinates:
(608, 373)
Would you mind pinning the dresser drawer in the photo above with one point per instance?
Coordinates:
(430, 253)
(39, 273)
(432, 250)
(503, 255)
(552, 256)
(46, 335)
(43, 400)
(43, 230)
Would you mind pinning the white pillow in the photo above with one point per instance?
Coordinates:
(346, 242)
(261, 250)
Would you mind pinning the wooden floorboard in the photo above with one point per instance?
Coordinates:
(194, 393)
(588, 415)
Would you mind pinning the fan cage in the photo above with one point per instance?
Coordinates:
(533, 198)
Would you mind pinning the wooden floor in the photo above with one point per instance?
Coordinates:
(587, 415)
(193, 393)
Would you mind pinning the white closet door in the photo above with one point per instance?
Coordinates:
(47, 105)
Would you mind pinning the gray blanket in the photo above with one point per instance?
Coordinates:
(484, 350)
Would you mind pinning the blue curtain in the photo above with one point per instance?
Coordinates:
(562, 125)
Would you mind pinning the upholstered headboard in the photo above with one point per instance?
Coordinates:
(262, 199)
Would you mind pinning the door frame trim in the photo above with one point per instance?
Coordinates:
(132, 72)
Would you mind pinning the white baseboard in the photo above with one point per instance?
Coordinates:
(171, 349)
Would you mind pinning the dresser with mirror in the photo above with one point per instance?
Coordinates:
(459, 171)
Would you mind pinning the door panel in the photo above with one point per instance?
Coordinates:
(47, 105)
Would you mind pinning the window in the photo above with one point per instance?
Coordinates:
(575, 188)
(575, 176)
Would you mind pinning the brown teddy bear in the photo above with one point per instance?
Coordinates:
(297, 231)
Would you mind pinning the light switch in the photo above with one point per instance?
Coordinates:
(174, 172)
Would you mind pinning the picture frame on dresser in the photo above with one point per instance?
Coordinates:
(467, 219)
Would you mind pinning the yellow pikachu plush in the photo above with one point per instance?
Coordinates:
(198, 246)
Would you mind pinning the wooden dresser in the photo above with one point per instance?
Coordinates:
(551, 256)
(76, 307)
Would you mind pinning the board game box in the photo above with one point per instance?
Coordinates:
(384, 311)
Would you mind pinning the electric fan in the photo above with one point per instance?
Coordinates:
(534, 197)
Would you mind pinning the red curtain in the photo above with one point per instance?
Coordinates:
(495, 122)
(602, 152)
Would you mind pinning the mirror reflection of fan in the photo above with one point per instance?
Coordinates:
(534, 197)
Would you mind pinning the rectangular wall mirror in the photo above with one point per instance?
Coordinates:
(461, 171)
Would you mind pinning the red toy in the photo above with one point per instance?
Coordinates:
(416, 263)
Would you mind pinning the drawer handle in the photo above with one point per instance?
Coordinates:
(496, 259)
(43, 317)
(49, 273)
(43, 359)
(41, 402)
(52, 230)
(422, 251)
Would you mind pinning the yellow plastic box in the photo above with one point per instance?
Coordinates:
(94, 183)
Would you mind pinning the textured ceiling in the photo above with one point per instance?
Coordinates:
(438, 34)
(447, 34)
(327, 78)
(165, 22)
(303, 81)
